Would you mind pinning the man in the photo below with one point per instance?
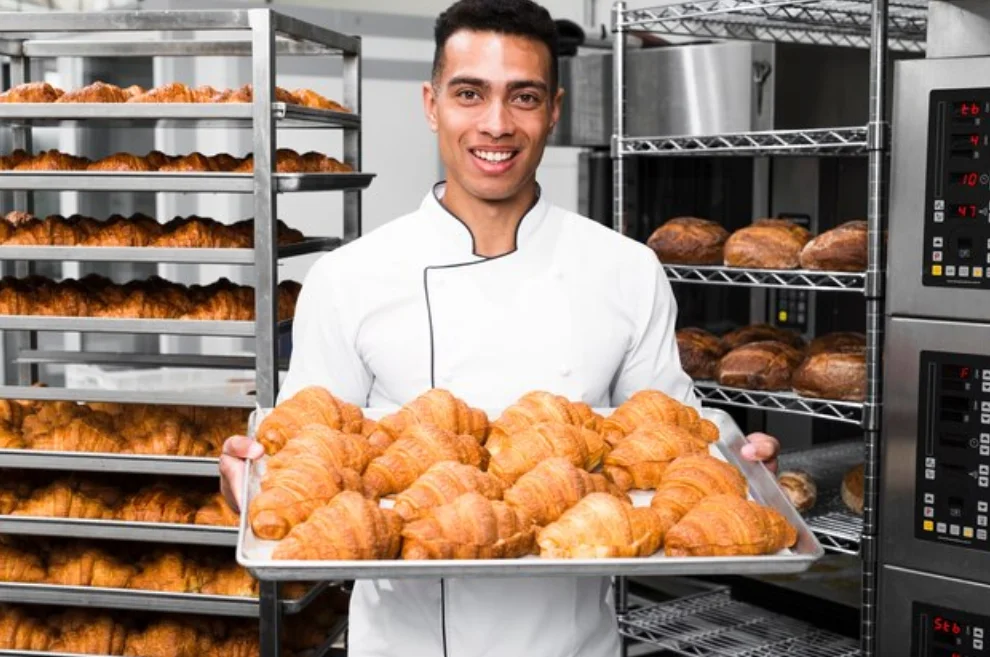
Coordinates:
(489, 291)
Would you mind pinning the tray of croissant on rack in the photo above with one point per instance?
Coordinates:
(544, 487)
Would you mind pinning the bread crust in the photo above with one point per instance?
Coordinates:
(699, 351)
(841, 249)
(767, 244)
(689, 241)
(766, 365)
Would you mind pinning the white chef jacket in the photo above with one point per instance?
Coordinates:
(576, 309)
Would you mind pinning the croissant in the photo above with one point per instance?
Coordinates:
(533, 408)
(312, 405)
(640, 460)
(157, 503)
(726, 525)
(165, 437)
(331, 448)
(309, 98)
(411, 455)
(12, 161)
(690, 479)
(231, 580)
(654, 406)
(173, 92)
(82, 634)
(121, 162)
(31, 92)
(246, 95)
(437, 407)
(169, 571)
(11, 438)
(470, 527)
(216, 512)
(601, 526)
(544, 493)
(350, 527)
(70, 499)
(52, 161)
(20, 566)
(92, 433)
(313, 162)
(289, 495)
(165, 639)
(18, 631)
(52, 230)
(443, 483)
(98, 92)
(157, 159)
(582, 447)
(194, 162)
(83, 565)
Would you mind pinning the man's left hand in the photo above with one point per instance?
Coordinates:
(762, 447)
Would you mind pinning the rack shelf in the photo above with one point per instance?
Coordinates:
(712, 624)
(132, 599)
(230, 329)
(798, 279)
(54, 357)
(119, 530)
(170, 398)
(785, 402)
(153, 181)
(95, 462)
(843, 23)
(817, 142)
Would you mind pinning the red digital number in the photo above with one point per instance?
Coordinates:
(970, 109)
(969, 179)
(946, 626)
(966, 211)
(974, 140)
(964, 372)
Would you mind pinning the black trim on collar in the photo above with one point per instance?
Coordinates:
(474, 246)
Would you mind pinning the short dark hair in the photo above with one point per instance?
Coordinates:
(522, 18)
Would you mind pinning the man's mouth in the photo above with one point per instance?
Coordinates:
(493, 157)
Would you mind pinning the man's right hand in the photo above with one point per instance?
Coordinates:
(235, 450)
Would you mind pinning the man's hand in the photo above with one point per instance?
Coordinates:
(235, 450)
(762, 447)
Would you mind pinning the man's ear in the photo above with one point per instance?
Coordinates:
(430, 105)
(558, 103)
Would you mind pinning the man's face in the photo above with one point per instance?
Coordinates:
(492, 111)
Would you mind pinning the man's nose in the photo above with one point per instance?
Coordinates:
(497, 120)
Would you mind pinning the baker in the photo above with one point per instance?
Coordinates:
(490, 291)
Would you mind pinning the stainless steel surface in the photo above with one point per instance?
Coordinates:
(241, 183)
(195, 398)
(837, 141)
(94, 462)
(253, 554)
(620, 50)
(905, 293)
(958, 28)
(157, 360)
(352, 141)
(119, 530)
(784, 402)
(901, 588)
(712, 624)
(139, 48)
(156, 254)
(237, 329)
(795, 279)
(168, 115)
(824, 22)
(906, 339)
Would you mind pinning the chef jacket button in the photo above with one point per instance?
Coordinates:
(565, 372)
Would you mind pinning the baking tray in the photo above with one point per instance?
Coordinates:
(154, 181)
(189, 466)
(119, 530)
(224, 328)
(255, 554)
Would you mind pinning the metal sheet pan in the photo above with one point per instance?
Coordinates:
(119, 530)
(153, 181)
(190, 466)
(255, 554)
(189, 398)
(232, 329)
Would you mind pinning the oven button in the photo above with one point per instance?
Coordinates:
(984, 450)
(929, 498)
(985, 469)
(936, 256)
(986, 386)
(985, 418)
(950, 270)
(940, 528)
(977, 272)
(964, 271)
(954, 530)
(929, 462)
(967, 532)
(977, 644)
(938, 217)
(981, 521)
(977, 632)
(939, 204)
(937, 242)
(985, 406)
(984, 482)
(929, 512)
(929, 474)
(936, 270)
(981, 534)
(981, 506)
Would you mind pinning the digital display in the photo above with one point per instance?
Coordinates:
(945, 632)
(939, 651)
(967, 140)
(966, 179)
(964, 210)
(967, 109)
(958, 372)
(945, 626)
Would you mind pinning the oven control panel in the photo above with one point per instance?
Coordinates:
(952, 470)
(945, 632)
(957, 198)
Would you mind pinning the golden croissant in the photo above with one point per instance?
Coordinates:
(653, 406)
(164, 638)
(289, 495)
(535, 407)
(525, 450)
(552, 487)
(68, 498)
(330, 447)
(231, 579)
(84, 565)
(470, 527)
(169, 570)
(18, 631)
(443, 483)
(600, 526)
(437, 407)
(726, 525)
(82, 634)
(92, 433)
(157, 503)
(640, 459)
(216, 512)
(690, 479)
(20, 566)
(410, 456)
(350, 527)
(312, 405)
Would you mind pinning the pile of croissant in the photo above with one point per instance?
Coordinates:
(154, 298)
(465, 488)
(286, 161)
(118, 428)
(74, 497)
(22, 229)
(85, 632)
(174, 92)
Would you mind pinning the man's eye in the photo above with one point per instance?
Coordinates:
(467, 94)
(528, 99)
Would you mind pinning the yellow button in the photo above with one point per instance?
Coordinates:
(977, 272)
(929, 526)
(936, 270)
(967, 532)
(782, 316)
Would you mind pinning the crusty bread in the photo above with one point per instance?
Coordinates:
(759, 332)
(841, 342)
(764, 365)
(700, 352)
(800, 489)
(841, 249)
(766, 244)
(689, 241)
(852, 490)
(832, 375)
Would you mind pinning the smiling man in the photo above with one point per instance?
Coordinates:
(489, 291)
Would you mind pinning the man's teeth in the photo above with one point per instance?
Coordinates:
(494, 156)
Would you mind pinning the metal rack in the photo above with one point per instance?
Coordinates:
(261, 35)
(831, 141)
(785, 402)
(797, 279)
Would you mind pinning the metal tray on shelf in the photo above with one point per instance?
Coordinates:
(189, 466)
(233, 329)
(154, 181)
(255, 554)
(167, 397)
(782, 401)
(794, 279)
(119, 530)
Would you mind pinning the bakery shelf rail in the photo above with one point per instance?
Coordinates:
(128, 181)
(56, 357)
(187, 466)
(784, 402)
(844, 23)
(166, 397)
(815, 142)
(799, 279)
(118, 530)
(712, 624)
(220, 328)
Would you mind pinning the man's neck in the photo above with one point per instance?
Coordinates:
(492, 224)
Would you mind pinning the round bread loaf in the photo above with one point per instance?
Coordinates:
(841, 342)
(700, 352)
(852, 490)
(800, 488)
(689, 241)
(832, 375)
(767, 244)
(760, 332)
(841, 249)
(759, 366)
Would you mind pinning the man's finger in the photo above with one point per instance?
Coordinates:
(231, 479)
(243, 447)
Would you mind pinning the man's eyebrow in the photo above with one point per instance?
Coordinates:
(528, 84)
(515, 85)
(464, 79)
